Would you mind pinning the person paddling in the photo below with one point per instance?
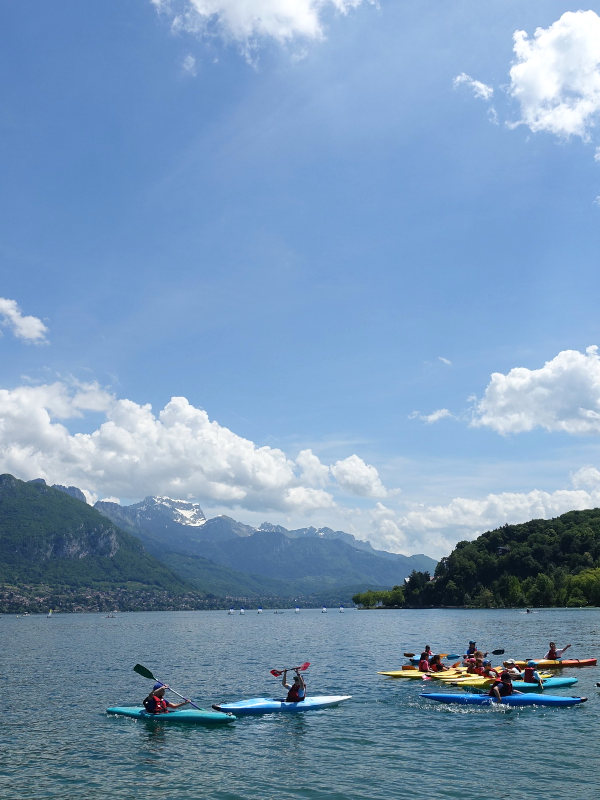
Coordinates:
(297, 690)
(155, 703)
(531, 675)
(555, 653)
(503, 687)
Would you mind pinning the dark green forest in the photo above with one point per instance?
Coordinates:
(539, 563)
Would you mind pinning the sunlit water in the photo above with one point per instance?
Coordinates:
(59, 675)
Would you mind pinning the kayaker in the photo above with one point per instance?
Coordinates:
(471, 649)
(435, 665)
(503, 687)
(531, 675)
(155, 703)
(554, 652)
(510, 665)
(424, 661)
(297, 690)
(489, 671)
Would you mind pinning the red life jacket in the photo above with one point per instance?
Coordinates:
(504, 688)
(155, 705)
(552, 655)
(296, 693)
(424, 665)
(528, 675)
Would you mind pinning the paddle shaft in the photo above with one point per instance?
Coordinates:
(147, 674)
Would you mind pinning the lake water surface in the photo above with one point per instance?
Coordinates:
(60, 674)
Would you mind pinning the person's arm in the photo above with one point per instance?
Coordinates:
(301, 680)
(560, 652)
(177, 705)
(284, 682)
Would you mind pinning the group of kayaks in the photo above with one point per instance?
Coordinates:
(477, 687)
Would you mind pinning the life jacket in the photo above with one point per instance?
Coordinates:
(504, 688)
(479, 670)
(528, 675)
(552, 655)
(424, 665)
(154, 704)
(296, 694)
(436, 667)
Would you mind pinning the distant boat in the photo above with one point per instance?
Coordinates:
(323, 610)
(242, 611)
(231, 612)
(341, 609)
(259, 611)
(49, 614)
(296, 610)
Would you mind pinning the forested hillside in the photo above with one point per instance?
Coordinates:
(539, 563)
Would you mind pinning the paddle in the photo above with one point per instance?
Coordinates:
(279, 672)
(145, 673)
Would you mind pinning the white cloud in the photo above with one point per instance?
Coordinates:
(563, 395)
(189, 65)
(445, 361)
(31, 329)
(435, 416)
(556, 77)
(353, 475)
(178, 452)
(479, 89)
(246, 22)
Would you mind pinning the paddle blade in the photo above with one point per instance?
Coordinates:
(144, 672)
(408, 655)
(277, 673)
(498, 652)
(304, 666)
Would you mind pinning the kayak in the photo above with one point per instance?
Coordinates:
(404, 673)
(520, 686)
(269, 705)
(511, 700)
(546, 663)
(198, 716)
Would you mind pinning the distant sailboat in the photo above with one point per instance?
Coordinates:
(341, 609)
(242, 611)
(49, 614)
(259, 611)
(323, 610)
(231, 612)
(296, 610)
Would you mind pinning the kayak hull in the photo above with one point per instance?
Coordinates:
(521, 686)
(269, 705)
(511, 700)
(546, 663)
(200, 716)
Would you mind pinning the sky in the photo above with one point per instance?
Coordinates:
(310, 262)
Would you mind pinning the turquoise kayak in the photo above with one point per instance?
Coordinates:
(511, 700)
(197, 716)
(269, 705)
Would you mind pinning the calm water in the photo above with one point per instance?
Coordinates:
(61, 673)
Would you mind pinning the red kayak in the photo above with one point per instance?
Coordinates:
(559, 663)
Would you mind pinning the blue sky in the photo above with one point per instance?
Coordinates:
(319, 262)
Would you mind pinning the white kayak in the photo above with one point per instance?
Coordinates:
(270, 705)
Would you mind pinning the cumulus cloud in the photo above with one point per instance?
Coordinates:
(358, 478)
(556, 75)
(30, 329)
(188, 65)
(479, 89)
(178, 451)
(247, 22)
(563, 395)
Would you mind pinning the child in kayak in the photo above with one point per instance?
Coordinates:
(554, 653)
(155, 703)
(511, 666)
(297, 690)
(503, 687)
(435, 665)
(531, 675)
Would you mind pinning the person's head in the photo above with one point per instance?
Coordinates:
(487, 663)
(424, 655)
(510, 662)
(479, 662)
(506, 677)
(553, 644)
(531, 663)
(297, 679)
(472, 644)
(428, 648)
(158, 689)
(436, 659)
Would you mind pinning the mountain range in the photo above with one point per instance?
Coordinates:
(164, 548)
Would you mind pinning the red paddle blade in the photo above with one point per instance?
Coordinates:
(277, 673)
(306, 665)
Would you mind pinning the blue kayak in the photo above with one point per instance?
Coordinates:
(197, 716)
(510, 700)
(269, 705)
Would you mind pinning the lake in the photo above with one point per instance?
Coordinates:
(61, 673)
